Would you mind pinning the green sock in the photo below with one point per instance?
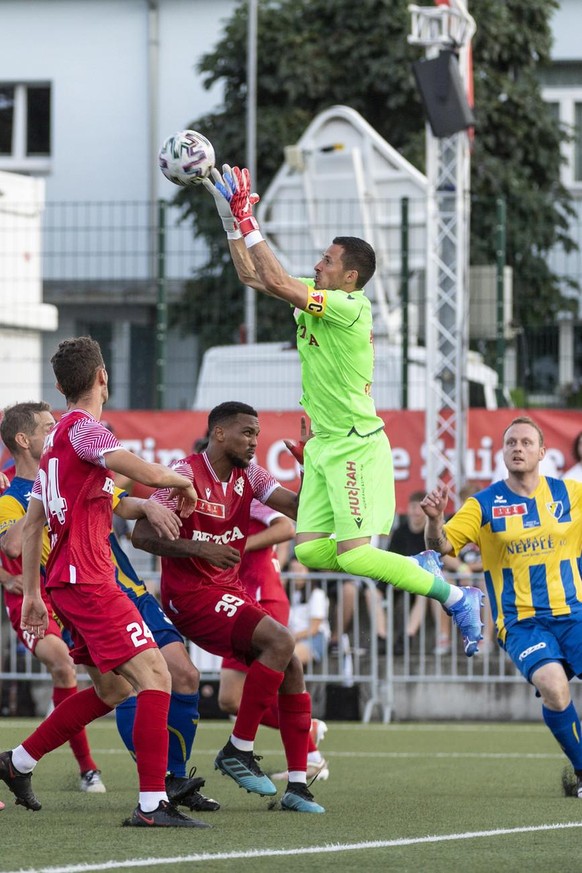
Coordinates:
(394, 569)
(440, 590)
(320, 554)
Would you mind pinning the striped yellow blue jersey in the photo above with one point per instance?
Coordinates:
(125, 575)
(13, 505)
(530, 548)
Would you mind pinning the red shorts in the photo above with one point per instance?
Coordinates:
(278, 608)
(220, 620)
(13, 604)
(106, 626)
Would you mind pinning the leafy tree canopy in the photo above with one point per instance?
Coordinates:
(313, 54)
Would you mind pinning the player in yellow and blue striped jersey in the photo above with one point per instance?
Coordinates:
(528, 528)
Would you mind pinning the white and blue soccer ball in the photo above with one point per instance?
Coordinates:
(186, 158)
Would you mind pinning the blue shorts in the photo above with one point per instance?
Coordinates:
(158, 622)
(532, 642)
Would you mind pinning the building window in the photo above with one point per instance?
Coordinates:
(25, 127)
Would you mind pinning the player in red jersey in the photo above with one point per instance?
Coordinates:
(202, 593)
(260, 575)
(4, 483)
(23, 429)
(73, 494)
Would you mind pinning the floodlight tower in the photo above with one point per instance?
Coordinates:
(446, 26)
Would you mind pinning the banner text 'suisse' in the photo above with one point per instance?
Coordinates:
(164, 437)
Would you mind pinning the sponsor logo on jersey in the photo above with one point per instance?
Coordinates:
(109, 486)
(531, 546)
(531, 650)
(499, 498)
(225, 538)
(205, 507)
(353, 492)
(505, 511)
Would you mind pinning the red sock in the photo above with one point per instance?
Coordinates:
(295, 724)
(261, 686)
(150, 739)
(311, 745)
(65, 721)
(271, 719)
(80, 742)
(271, 716)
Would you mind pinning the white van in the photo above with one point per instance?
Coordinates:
(268, 377)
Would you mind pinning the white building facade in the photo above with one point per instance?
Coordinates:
(88, 91)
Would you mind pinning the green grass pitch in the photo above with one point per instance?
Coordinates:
(403, 797)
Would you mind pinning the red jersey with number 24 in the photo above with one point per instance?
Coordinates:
(221, 516)
(76, 489)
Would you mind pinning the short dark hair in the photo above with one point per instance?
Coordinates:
(357, 255)
(75, 364)
(229, 409)
(20, 418)
(416, 496)
(576, 448)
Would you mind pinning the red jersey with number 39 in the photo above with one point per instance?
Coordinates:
(221, 516)
(76, 489)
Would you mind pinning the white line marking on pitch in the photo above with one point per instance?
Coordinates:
(332, 754)
(304, 850)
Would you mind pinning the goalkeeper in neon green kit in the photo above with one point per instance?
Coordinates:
(348, 484)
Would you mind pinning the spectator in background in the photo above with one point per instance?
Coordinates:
(575, 472)
(408, 539)
(346, 606)
(309, 616)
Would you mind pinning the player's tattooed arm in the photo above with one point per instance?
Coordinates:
(438, 541)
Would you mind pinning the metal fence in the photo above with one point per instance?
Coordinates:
(100, 264)
(371, 669)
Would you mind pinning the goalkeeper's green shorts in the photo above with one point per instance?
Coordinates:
(348, 487)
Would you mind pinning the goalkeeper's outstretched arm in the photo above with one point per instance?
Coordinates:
(265, 273)
(255, 263)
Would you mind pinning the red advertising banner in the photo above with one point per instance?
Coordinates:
(165, 436)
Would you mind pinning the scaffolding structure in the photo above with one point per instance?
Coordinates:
(446, 26)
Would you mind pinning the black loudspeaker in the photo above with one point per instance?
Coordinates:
(443, 95)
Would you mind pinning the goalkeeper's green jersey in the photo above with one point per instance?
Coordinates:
(336, 349)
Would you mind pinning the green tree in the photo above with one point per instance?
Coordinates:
(317, 53)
